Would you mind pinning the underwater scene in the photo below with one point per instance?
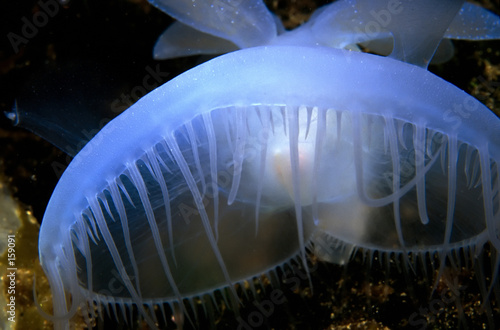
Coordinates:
(250, 164)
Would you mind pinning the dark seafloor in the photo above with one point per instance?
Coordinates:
(100, 50)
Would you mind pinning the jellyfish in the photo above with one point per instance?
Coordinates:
(294, 141)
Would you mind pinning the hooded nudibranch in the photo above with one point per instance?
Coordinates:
(266, 151)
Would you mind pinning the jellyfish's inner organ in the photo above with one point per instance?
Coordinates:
(237, 191)
(271, 168)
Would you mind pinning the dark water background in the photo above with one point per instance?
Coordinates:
(96, 54)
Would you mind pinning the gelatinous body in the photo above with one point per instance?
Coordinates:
(235, 167)
(242, 160)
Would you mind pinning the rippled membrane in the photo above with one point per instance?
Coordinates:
(242, 191)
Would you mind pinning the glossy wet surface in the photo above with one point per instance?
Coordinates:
(119, 36)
